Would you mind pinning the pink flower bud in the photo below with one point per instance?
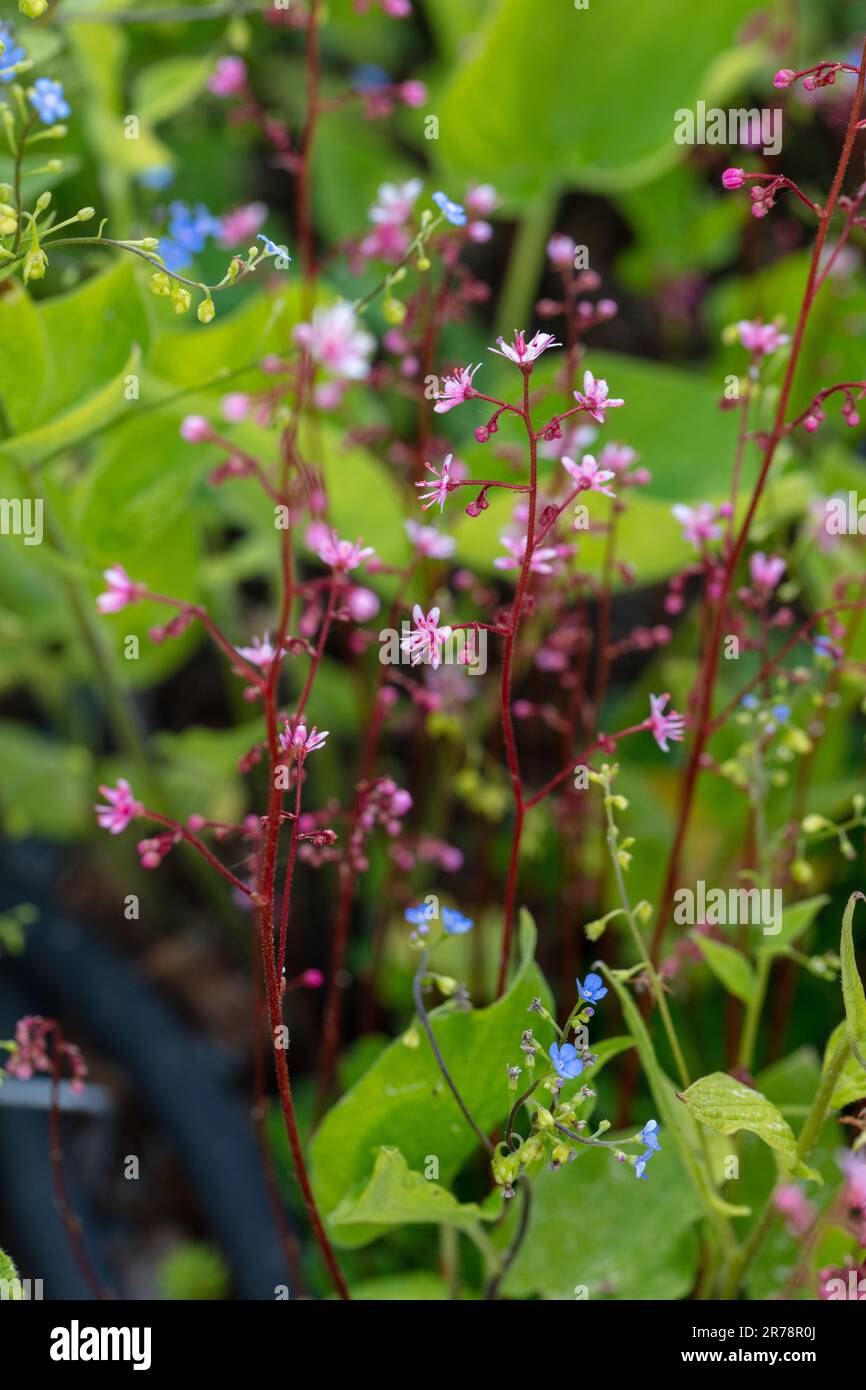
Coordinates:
(195, 429)
(413, 93)
(784, 77)
(733, 178)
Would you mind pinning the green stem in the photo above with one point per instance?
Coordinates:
(749, 1036)
(525, 263)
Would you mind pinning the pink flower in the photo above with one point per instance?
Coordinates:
(430, 542)
(698, 523)
(784, 77)
(413, 92)
(798, 1212)
(588, 476)
(619, 457)
(121, 590)
(426, 642)
(456, 389)
(301, 741)
(261, 653)
(335, 340)
(541, 556)
(33, 1054)
(664, 726)
(235, 406)
(439, 491)
(594, 399)
(766, 570)
(362, 604)
(760, 338)
(394, 201)
(229, 77)
(561, 251)
(342, 555)
(733, 178)
(195, 429)
(241, 224)
(121, 809)
(522, 352)
(481, 199)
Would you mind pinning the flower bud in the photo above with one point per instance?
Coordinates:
(205, 311)
(42, 202)
(35, 263)
(159, 283)
(33, 8)
(181, 299)
(8, 220)
(85, 214)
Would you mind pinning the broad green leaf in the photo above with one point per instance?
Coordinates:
(78, 424)
(397, 1196)
(163, 89)
(594, 1223)
(526, 140)
(851, 1085)
(31, 763)
(403, 1098)
(852, 985)
(729, 966)
(796, 919)
(727, 1106)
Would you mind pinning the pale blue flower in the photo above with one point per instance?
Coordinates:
(565, 1060)
(453, 212)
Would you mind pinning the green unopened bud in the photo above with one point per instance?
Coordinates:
(543, 1118)
(149, 243)
(504, 1166)
(411, 1038)
(799, 740)
(859, 803)
(181, 299)
(802, 871)
(561, 1153)
(811, 825)
(33, 9)
(8, 220)
(35, 264)
(85, 214)
(531, 1149)
(159, 283)
(42, 202)
(204, 314)
(423, 263)
(394, 311)
(53, 166)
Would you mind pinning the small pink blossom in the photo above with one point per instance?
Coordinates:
(698, 523)
(438, 491)
(516, 546)
(229, 78)
(664, 726)
(121, 590)
(239, 226)
(594, 398)
(363, 604)
(561, 251)
(426, 642)
(430, 542)
(395, 201)
(302, 742)
(261, 653)
(120, 810)
(456, 389)
(784, 77)
(32, 1052)
(335, 340)
(617, 457)
(799, 1214)
(521, 351)
(766, 570)
(481, 199)
(342, 555)
(588, 476)
(412, 92)
(235, 406)
(760, 338)
(195, 429)
(733, 178)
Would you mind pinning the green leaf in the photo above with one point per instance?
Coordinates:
(31, 763)
(163, 89)
(796, 919)
(594, 1223)
(414, 1285)
(727, 1106)
(586, 148)
(729, 966)
(852, 985)
(851, 1085)
(397, 1196)
(404, 1096)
